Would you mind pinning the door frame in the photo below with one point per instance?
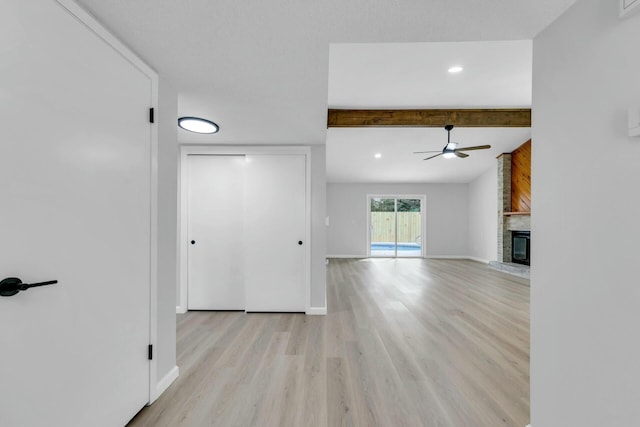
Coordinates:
(423, 225)
(183, 214)
(94, 26)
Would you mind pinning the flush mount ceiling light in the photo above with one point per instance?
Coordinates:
(197, 125)
(377, 155)
(455, 69)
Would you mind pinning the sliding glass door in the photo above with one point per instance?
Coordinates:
(396, 226)
(383, 227)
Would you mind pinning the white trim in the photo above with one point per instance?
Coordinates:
(471, 258)
(180, 309)
(484, 261)
(153, 294)
(447, 257)
(628, 6)
(307, 230)
(183, 264)
(185, 151)
(316, 311)
(165, 382)
(93, 25)
(346, 256)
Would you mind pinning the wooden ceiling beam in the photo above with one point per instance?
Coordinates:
(519, 117)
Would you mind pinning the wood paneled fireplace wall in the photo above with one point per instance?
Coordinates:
(514, 197)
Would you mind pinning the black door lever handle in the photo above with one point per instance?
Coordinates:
(12, 285)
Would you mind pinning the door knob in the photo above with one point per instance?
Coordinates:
(300, 242)
(12, 285)
(193, 242)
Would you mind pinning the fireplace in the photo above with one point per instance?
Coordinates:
(521, 247)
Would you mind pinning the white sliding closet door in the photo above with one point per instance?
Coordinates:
(216, 221)
(275, 225)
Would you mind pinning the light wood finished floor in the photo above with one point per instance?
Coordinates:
(406, 342)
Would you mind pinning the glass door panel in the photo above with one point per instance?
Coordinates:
(409, 228)
(383, 227)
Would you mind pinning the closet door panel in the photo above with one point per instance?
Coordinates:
(216, 223)
(275, 224)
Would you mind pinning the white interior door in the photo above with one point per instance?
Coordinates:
(75, 177)
(216, 221)
(275, 224)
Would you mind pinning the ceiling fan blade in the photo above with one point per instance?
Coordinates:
(477, 147)
(461, 155)
(440, 154)
(423, 152)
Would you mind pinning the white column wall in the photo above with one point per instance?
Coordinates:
(483, 219)
(584, 286)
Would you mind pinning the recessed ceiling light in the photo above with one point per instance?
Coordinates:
(455, 69)
(377, 155)
(198, 125)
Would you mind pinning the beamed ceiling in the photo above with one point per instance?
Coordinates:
(262, 70)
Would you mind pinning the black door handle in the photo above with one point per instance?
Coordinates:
(12, 285)
(300, 242)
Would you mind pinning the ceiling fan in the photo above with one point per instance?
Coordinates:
(450, 150)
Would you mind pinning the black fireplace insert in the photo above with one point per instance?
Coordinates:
(521, 247)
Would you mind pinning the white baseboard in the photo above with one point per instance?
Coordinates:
(165, 382)
(317, 311)
(472, 258)
(447, 257)
(180, 309)
(484, 261)
(347, 256)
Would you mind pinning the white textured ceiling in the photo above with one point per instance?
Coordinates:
(260, 68)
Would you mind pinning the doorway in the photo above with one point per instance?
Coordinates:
(396, 226)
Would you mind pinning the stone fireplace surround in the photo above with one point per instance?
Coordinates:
(509, 222)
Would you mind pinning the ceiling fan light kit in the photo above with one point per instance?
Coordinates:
(450, 150)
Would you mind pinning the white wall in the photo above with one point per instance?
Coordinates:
(483, 219)
(167, 227)
(447, 210)
(318, 226)
(585, 292)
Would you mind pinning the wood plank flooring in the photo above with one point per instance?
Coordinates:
(406, 342)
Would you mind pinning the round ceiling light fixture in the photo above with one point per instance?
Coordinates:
(198, 125)
(377, 155)
(455, 69)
